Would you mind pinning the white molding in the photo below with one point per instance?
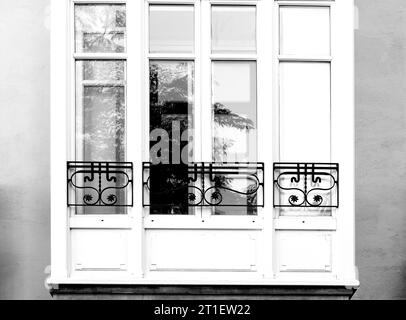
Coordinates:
(265, 129)
(137, 222)
(193, 279)
(343, 130)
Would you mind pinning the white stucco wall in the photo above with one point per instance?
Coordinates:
(380, 61)
(381, 148)
(24, 149)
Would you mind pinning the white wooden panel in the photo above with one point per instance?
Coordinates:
(99, 250)
(304, 31)
(306, 223)
(305, 110)
(176, 250)
(304, 251)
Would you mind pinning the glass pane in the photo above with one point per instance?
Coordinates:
(100, 28)
(101, 117)
(100, 110)
(171, 126)
(234, 29)
(305, 30)
(108, 70)
(172, 28)
(305, 91)
(235, 126)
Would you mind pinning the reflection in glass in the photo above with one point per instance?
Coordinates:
(100, 114)
(234, 29)
(103, 70)
(235, 124)
(171, 126)
(171, 28)
(100, 28)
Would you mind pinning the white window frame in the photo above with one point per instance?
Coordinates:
(203, 97)
(62, 146)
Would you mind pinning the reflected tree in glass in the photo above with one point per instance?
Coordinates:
(100, 28)
(101, 121)
(234, 140)
(171, 113)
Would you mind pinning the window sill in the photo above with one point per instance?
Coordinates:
(215, 292)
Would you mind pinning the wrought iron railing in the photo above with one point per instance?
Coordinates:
(100, 184)
(204, 185)
(311, 185)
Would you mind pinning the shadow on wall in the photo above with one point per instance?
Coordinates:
(381, 148)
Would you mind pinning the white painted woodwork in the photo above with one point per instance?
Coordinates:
(99, 250)
(212, 250)
(304, 251)
(304, 58)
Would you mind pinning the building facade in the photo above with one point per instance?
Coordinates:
(202, 144)
(376, 236)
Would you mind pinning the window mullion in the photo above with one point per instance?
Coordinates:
(206, 91)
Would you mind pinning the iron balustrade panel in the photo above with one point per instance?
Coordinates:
(205, 185)
(311, 185)
(100, 184)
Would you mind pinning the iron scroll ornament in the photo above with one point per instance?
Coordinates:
(311, 185)
(100, 184)
(210, 185)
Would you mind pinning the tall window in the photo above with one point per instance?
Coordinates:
(172, 101)
(100, 72)
(234, 99)
(228, 117)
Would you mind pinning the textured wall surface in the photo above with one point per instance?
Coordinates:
(381, 148)
(24, 149)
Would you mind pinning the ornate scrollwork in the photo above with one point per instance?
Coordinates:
(313, 185)
(100, 184)
(207, 185)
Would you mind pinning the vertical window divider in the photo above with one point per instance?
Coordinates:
(135, 106)
(206, 92)
(266, 126)
(71, 136)
(199, 106)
